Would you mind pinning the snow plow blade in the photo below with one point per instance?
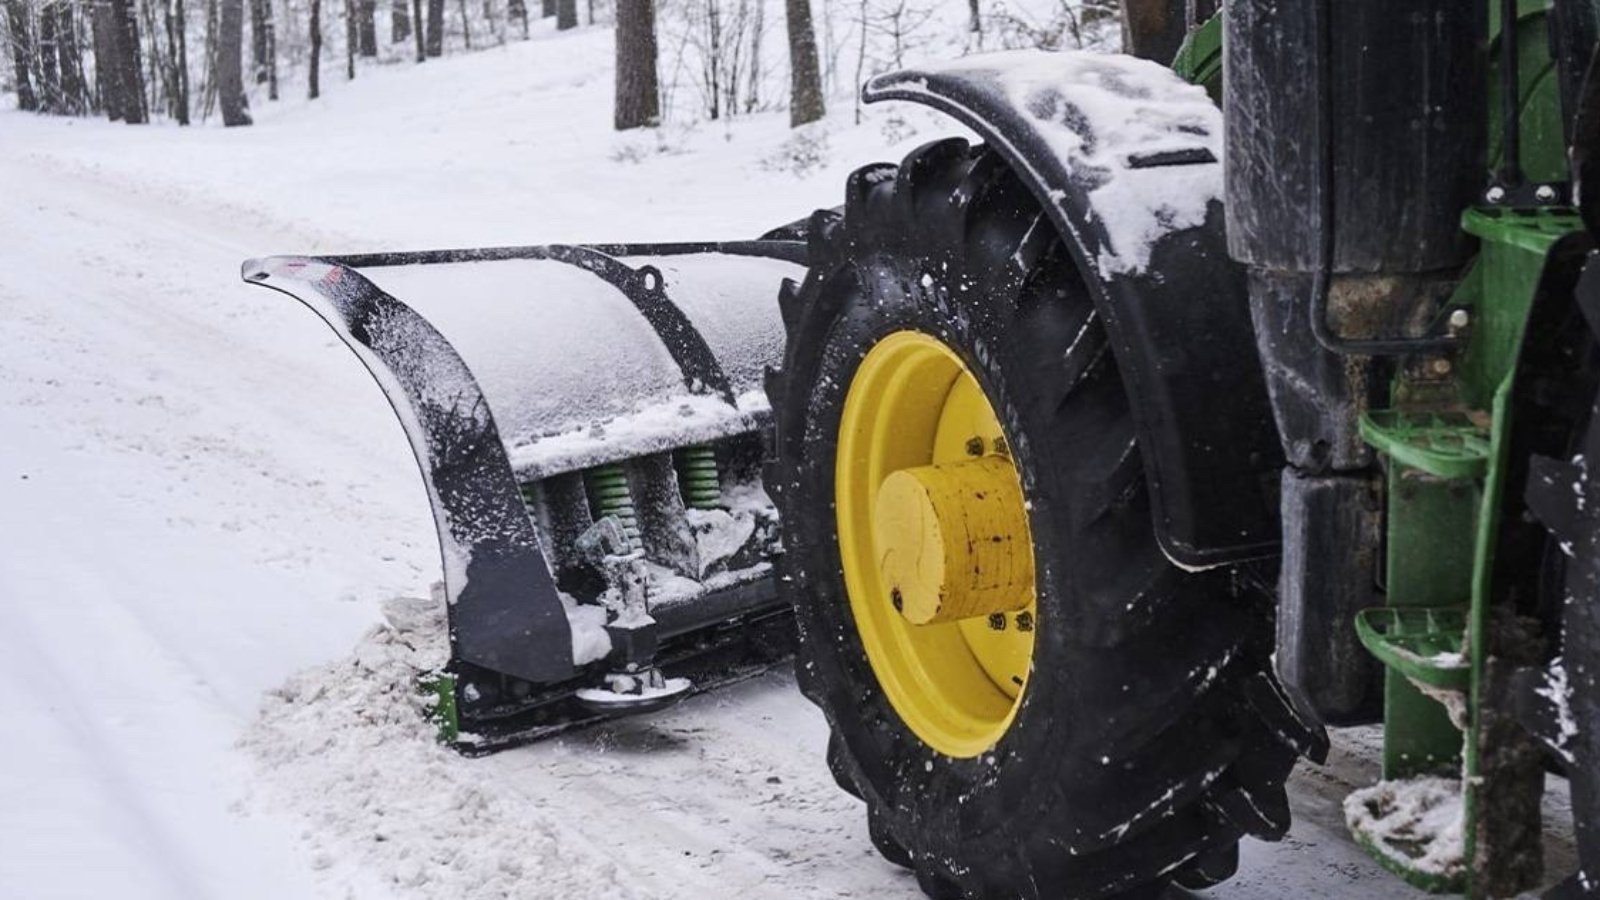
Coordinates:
(590, 426)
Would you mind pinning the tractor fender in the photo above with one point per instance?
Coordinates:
(1126, 159)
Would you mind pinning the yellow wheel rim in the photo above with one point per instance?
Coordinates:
(915, 412)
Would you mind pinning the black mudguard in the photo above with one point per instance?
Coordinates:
(1180, 323)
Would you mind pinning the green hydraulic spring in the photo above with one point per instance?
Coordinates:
(608, 492)
(702, 482)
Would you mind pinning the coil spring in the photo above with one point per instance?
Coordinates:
(700, 478)
(609, 494)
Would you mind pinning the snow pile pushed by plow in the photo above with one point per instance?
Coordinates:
(349, 746)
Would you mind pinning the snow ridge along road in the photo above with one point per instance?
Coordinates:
(204, 495)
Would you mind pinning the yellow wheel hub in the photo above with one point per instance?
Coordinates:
(933, 536)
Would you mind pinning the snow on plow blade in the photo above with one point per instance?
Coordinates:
(527, 380)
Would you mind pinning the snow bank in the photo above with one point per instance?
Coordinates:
(348, 745)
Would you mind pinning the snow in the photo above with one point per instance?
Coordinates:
(206, 493)
(1417, 822)
(1558, 691)
(418, 820)
(1102, 113)
(209, 507)
(574, 374)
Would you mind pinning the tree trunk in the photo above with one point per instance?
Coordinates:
(230, 64)
(399, 22)
(106, 80)
(435, 27)
(466, 23)
(367, 26)
(518, 9)
(45, 55)
(258, 40)
(177, 61)
(566, 14)
(21, 52)
(74, 88)
(1153, 29)
(758, 34)
(350, 39)
(125, 43)
(638, 89)
(314, 74)
(975, 20)
(208, 80)
(805, 80)
(417, 29)
(272, 56)
(549, 7)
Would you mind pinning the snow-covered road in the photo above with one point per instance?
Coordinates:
(201, 494)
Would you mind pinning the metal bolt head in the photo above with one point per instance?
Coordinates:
(1441, 367)
(1460, 319)
(1496, 194)
(1545, 194)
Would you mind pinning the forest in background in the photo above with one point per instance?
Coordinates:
(203, 61)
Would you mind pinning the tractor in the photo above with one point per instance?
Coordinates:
(1229, 390)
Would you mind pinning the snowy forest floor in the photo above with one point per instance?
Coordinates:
(203, 494)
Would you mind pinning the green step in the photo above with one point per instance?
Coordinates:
(1425, 644)
(1448, 445)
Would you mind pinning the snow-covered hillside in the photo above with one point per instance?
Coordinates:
(205, 505)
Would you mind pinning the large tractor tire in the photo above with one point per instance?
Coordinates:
(1076, 716)
(1558, 389)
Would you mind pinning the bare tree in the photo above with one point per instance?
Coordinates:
(230, 64)
(69, 53)
(399, 21)
(805, 80)
(258, 40)
(124, 60)
(566, 14)
(548, 8)
(45, 61)
(758, 36)
(518, 9)
(466, 23)
(367, 26)
(177, 23)
(314, 72)
(435, 27)
(1153, 29)
(418, 31)
(638, 86)
(21, 53)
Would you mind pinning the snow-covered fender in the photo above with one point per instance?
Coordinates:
(1126, 159)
